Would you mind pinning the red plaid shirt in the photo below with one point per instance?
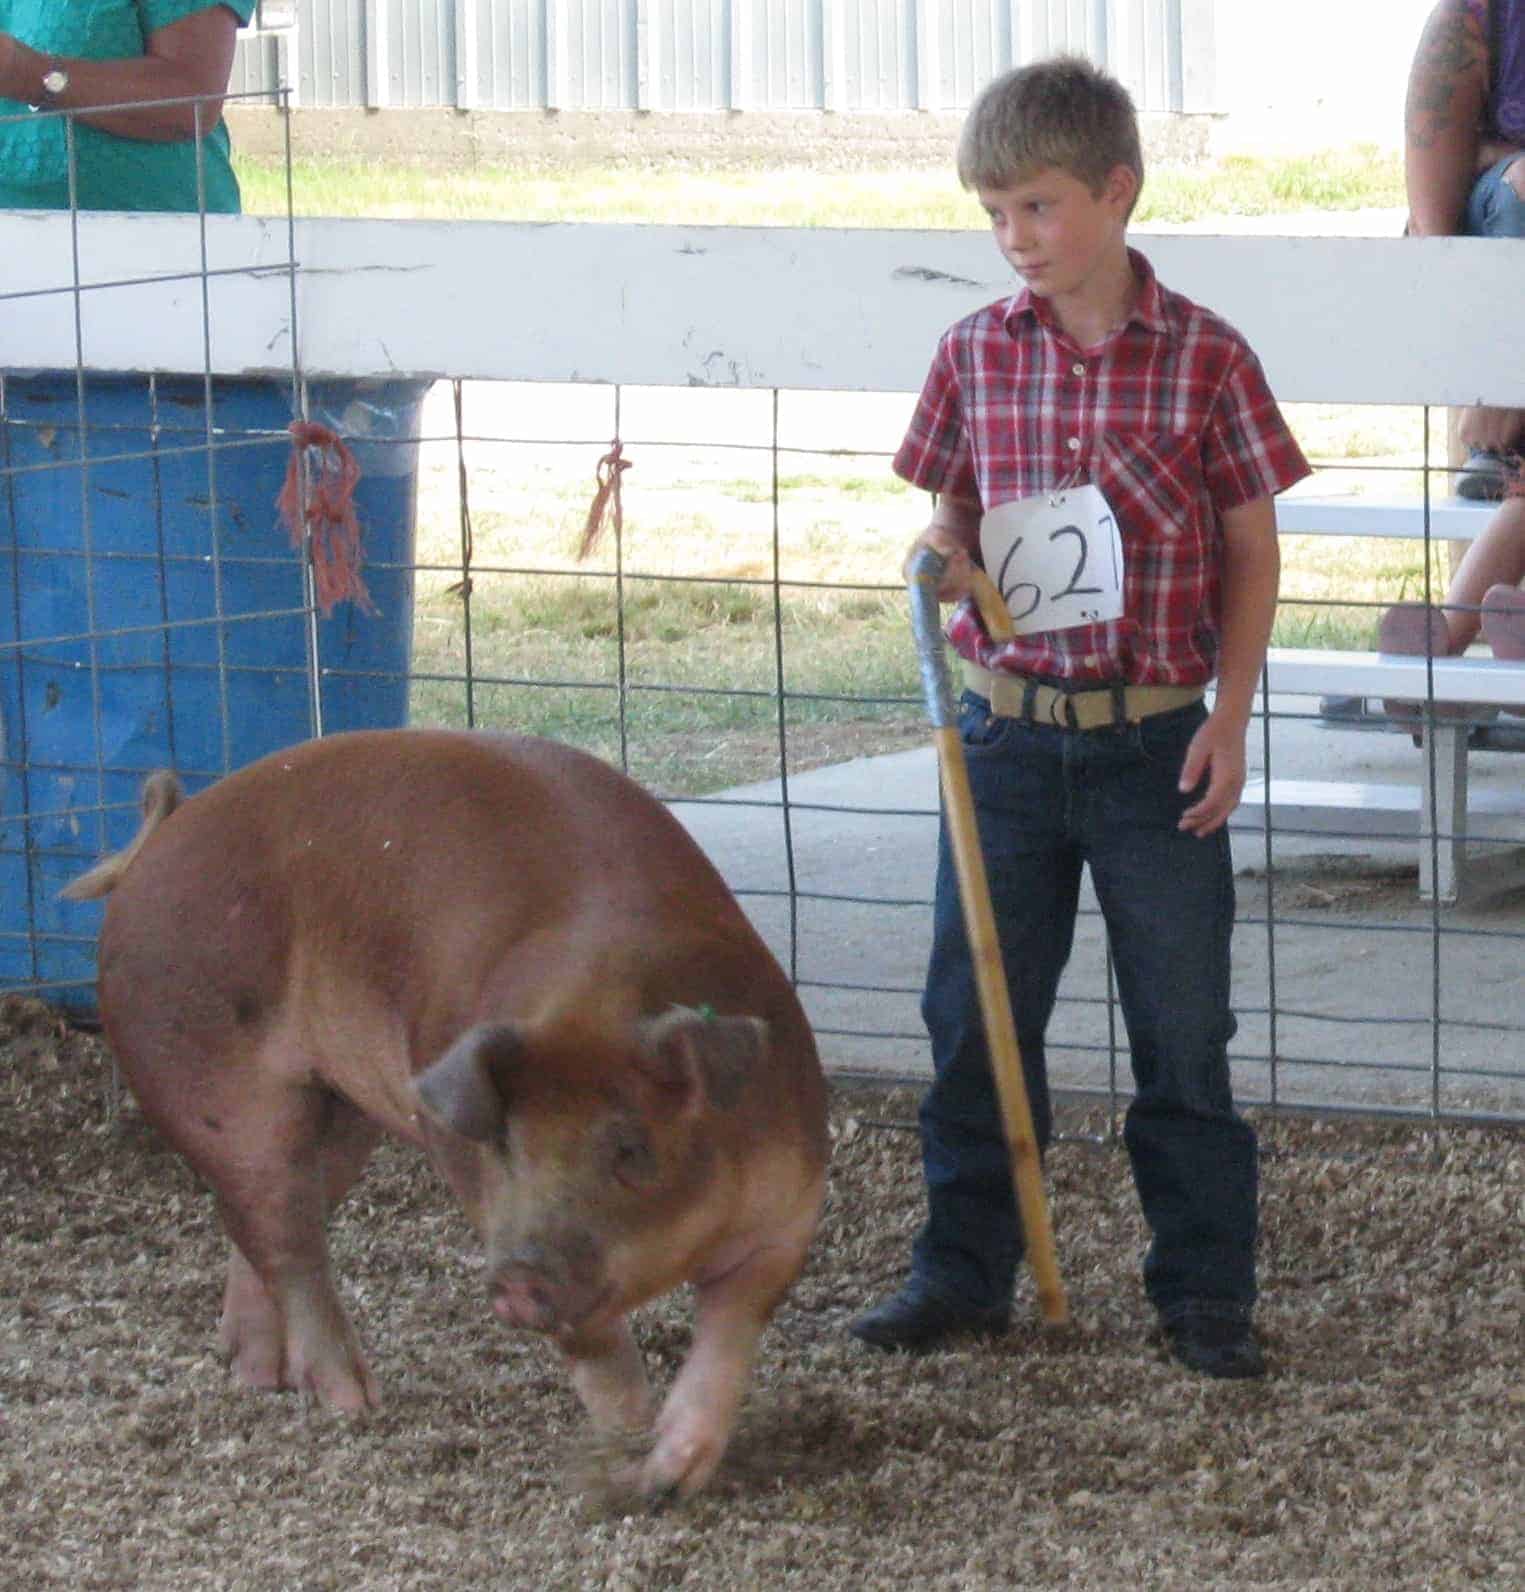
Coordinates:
(1171, 418)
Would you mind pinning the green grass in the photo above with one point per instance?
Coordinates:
(1353, 179)
(792, 197)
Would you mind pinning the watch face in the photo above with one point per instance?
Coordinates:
(55, 82)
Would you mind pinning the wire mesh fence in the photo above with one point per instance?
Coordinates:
(738, 640)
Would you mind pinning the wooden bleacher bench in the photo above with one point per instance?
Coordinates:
(1441, 818)
(1445, 826)
(1451, 519)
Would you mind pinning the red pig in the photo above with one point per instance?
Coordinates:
(503, 951)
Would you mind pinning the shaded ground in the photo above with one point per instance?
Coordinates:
(1388, 1447)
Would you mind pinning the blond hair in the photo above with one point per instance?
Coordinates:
(1063, 112)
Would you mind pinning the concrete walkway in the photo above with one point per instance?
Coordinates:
(1368, 996)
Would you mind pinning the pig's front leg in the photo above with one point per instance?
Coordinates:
(699, 1414)
(610, 1377)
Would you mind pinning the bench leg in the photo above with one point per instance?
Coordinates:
(1443, 863)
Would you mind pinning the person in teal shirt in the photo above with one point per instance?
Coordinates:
(57, 55)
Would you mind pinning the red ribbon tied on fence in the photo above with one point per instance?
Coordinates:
(610, 468)
(327, 518)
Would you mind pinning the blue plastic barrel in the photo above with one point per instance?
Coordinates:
(126, 645)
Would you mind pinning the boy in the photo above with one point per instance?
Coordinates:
(1109, 452)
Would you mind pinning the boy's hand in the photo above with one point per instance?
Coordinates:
(957, 580)
(1216, 750)
(953, 531)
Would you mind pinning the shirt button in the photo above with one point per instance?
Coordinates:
(1073, 444)
(1078, 368)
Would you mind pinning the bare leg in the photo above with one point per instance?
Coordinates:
(1496, 558)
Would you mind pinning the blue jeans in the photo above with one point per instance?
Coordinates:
(1049, 801)
(1494, 209)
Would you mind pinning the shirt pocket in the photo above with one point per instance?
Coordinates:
(1155, 486)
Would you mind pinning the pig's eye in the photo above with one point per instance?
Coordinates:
(633, 1159)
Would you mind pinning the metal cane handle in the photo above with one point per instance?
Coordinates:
(923, 573)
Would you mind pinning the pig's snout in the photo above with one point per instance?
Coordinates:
(523, 1298)
(545, 1288)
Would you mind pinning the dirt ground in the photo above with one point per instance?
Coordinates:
(1386, 1449)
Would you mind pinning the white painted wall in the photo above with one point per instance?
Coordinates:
(1309, 74)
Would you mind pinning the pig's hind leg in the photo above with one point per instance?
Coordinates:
(282, 1323)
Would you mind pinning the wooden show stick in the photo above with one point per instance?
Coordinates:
(923, 574)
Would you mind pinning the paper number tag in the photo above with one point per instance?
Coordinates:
(1057, 559)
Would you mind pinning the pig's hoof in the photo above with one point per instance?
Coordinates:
(348, 1393)
(258, 1373)
(630, 1487)
(609, 1467)
(658, 1500)
(257, 1360)
(677, 1470)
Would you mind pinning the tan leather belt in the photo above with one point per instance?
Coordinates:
(1018, 696)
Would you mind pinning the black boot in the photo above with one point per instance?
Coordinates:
(1213, 1338)
(916, 1319)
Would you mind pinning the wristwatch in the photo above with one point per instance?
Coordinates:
(54, 82)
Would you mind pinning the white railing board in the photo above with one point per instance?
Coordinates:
(856, 310)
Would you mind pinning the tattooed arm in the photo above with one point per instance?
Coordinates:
(1444, 115)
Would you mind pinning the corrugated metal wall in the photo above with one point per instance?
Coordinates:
(713, 55)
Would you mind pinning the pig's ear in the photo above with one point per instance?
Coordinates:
(464, 1088)
(704, 1056)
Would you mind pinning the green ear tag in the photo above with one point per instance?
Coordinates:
(707, 1013)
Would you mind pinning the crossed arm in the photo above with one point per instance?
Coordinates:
(191, 57)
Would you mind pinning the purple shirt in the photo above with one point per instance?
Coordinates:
(1506, 75)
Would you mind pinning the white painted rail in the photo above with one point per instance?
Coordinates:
(1352, 320)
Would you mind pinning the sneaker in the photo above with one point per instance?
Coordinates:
(1483, 478)
(1213, 1338)
(1345, 709)
(915, 1320)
